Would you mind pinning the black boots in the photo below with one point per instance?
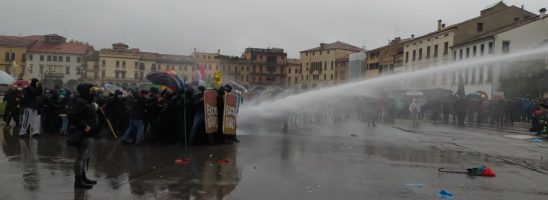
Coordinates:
(80, 183)
(83, 182)
(88, 181)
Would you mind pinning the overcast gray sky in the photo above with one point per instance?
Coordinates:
(178, 26)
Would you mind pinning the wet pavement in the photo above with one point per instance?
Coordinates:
(350, 161)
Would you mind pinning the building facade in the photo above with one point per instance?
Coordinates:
(434, 48)
(14, 50)
(508, 39)
(341, 70)
(318, 64)
(183, 65)
(119, 65)
(372, 63)
(57, 62)
(267, 66)
(293, 73)
(356, 66)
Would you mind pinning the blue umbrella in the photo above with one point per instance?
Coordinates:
(5, 78)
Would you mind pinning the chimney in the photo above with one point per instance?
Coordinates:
(522, 7)
(218, 51)
(194, 50)
(442, 26)
(542, 13)
(439, 24)
(412, 35)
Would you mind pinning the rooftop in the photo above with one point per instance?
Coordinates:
(169, 58)
(92, 55)
(497, 7)
(18, 41)
(293, 61)
(497, 31)
(335, 45)
(149, 56)
(63, 48)
(391, 43)
(267, 50)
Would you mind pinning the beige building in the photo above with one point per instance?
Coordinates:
(235, 69)
(341, 70)
(183, 65)
(293, 75)
(209, 61)
(318, 64)
(147, 62)
(435, 48)
(372, 69)
(120, 65)
(14, 48)
(385, 59)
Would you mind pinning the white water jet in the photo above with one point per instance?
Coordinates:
(321, 98)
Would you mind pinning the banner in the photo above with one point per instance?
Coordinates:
(210, 111)
(229, 114)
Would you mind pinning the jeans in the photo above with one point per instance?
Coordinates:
(64, 124)
(83, 155)
(139, 125)
(198, 120)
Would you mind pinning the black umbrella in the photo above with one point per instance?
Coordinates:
(163, 78)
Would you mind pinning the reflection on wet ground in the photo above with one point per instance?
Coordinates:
(43, 163)
(377, 164)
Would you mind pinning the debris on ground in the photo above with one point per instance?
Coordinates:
(445, 195)
(536, 140)
(476, 171)
(417, 185)
(223, 161)
(182, 161)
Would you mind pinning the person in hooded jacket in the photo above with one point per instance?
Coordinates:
(83, 117)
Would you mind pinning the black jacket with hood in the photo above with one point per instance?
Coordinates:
(82, 112)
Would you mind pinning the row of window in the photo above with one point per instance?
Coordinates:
(297, 70)
(10, 56)
(470, 76)
(435, 38)
(314, 52)
(316, 77)
(57, 58)
(472, 51)
(52, 69)
(428, 53)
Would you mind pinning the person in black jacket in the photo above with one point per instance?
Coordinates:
(136, 116)
(31, 104)
(83, 117)
(9, 100)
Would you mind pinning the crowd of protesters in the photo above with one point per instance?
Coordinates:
(460, 111)
(463, 111)
(147, 116)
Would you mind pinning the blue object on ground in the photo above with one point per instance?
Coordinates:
(417, 185)
(445, 195)
(536, 140)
